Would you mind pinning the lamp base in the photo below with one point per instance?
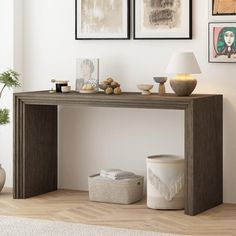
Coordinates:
(183, 87)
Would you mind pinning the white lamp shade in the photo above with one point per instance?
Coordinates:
(183, 63)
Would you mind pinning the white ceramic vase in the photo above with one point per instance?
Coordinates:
(2, 177)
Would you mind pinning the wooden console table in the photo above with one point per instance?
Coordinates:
(35, 140)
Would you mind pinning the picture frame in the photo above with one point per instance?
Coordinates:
(98, 20)
(156, 19)
(221, 10)
(222, 42)
(87, 72)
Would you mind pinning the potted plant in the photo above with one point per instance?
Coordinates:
(8, 79)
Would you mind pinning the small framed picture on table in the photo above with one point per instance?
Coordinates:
(87, 73)
(222, 42)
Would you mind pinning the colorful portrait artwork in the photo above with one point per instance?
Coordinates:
(222, 42)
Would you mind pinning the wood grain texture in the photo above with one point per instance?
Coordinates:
(203, 149)
(203, 139)
(40, 150)
(136, 100)
(18, 148)
(35, 149)
(74, 207)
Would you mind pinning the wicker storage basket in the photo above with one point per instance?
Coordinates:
(124, 191)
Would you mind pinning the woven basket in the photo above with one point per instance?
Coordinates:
(125, 191)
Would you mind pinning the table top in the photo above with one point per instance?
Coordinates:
(126, 99)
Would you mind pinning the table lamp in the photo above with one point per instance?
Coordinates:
(183, 64)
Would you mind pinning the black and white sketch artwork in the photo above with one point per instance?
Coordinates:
(162, 19)
(162, 13)
(87, 72)
(102, 19)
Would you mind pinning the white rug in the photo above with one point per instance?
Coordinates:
(15, 226)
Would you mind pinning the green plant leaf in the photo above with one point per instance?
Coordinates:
(10, 78)
(4, 116)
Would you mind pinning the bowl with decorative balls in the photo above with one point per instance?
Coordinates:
(110, 86)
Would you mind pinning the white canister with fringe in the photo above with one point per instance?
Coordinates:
(165, 182)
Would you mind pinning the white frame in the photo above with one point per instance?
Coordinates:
(225, 18)
(184, 33)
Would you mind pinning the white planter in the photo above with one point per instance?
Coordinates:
(2, 177)
(165, 182)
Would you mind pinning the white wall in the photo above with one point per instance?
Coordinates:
(94, 138)
(11, 17)
(18, 59)
(6, 61)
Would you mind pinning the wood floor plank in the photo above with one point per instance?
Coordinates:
(74, 206)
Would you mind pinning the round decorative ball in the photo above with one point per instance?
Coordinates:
(109, 90)
(114, 84)
(109, 80)
(117, 91)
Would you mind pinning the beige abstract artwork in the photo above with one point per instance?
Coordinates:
(224, 7)
(102, 16)
(161, 14)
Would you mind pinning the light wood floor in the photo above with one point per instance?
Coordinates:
(74, 206)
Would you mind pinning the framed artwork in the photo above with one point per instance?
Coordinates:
(87, 72)
(222, 42)
(102, 19)
(162, 19)
(222, 10)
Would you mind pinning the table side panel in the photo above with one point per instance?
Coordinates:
(204, 151)
(40, 149)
